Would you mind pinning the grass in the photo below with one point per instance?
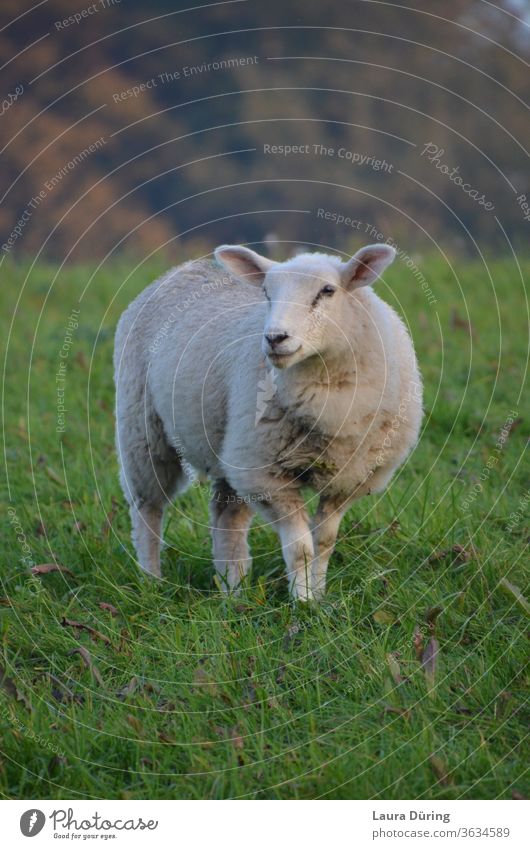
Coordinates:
(179, 693)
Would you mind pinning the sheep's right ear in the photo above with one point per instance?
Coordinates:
(243, 263)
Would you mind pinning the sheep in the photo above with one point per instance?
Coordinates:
(267, 378)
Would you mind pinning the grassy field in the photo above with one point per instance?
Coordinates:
(408, 682)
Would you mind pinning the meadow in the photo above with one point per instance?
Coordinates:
(409, 681)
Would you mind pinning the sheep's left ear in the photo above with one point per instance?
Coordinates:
(243, 263)
(366, 266)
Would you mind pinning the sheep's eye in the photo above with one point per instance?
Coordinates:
(327, 290)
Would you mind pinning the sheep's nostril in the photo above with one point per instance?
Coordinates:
(275, 338)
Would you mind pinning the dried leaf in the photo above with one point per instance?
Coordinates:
(40, 530)
(384, 617)
(516, 594)
(96, 635)
(461, 323)
(52, 474)
(418, 643)
(109, 607)
(457, 552)
(432, 614)
(11, 688)
(516, 794)
(440, 770)
(429, 661)
(394, 667)
(166, 738)
(135, 723)
(394, 709)
(46, 568)
(129, 688)
(238, 742)
(394, 526)
(81, 360)
(87, 660)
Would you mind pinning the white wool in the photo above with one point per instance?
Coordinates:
(336, 406)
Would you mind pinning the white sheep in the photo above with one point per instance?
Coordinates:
(266, 377)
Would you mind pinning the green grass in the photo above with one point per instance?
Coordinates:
(196, 696)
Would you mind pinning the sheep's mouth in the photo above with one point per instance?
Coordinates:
(280, 358)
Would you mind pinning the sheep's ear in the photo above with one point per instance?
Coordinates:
(243, 263)
(366, 265)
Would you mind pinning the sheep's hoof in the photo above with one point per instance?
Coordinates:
(154, 576)
(304, 596)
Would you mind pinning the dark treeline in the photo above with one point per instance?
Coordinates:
(131, 125)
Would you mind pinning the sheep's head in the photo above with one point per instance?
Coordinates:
(309, 296)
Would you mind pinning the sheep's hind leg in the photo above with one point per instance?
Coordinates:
(231, 518)
(147, 536)
(151, 474)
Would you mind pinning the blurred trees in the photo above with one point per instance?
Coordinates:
(376, 79)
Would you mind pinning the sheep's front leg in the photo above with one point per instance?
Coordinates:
(289, 518)
(325, 527)
(297, 550)
(231, 518)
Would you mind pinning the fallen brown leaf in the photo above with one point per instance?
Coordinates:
(80, 626)
(166, 738)
(516, 594)
(237, 740)
(108, 607)
(9, 686)
(135, 723)
(432, 614)
(418, 643)
(87, 660)
(52, 474)
(46, 568)
(440, 770)
(459, 554)
(81, 360)
(40, 530)
(429, 661)
(129, 688)
(399, 710)
(384, 617)
(461, 323)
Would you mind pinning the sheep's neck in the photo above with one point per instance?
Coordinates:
(316, 392)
